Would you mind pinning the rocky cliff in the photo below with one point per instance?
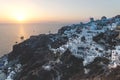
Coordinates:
(87, 51)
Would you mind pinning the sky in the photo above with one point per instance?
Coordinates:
(56, 10)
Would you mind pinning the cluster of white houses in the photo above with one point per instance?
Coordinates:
(83, 45)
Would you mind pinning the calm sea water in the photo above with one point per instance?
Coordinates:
(11, 33)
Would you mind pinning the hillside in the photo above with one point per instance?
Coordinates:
(85, 51)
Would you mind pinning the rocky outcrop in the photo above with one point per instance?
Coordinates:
(76, 52)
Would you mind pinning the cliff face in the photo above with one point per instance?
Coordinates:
(76, 52)
(34, 53)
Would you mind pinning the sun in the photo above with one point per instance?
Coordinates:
(20, 18)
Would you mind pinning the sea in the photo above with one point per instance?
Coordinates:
(10, 34)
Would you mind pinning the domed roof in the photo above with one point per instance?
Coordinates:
(104, 17)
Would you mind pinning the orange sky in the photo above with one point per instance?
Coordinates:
(21, 11)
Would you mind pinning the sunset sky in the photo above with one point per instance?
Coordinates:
(56, 10)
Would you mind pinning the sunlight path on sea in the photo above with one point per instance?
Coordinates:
(22, 33)
(10, 34)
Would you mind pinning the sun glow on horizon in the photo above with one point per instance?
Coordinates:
(20, 17)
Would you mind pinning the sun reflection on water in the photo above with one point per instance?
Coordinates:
(22, 33)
